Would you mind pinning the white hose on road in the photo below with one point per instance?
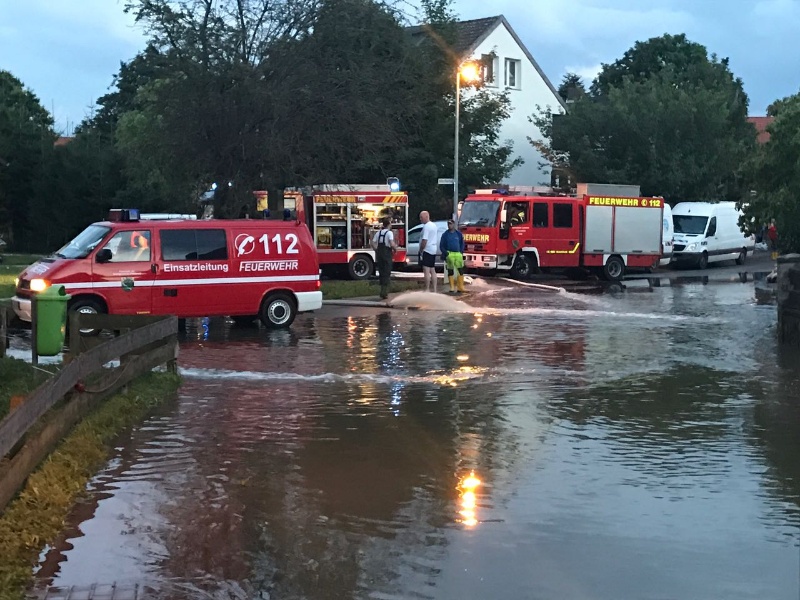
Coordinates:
(541, 286)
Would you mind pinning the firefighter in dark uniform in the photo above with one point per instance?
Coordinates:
(384, 245)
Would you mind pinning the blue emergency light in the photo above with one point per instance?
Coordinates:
(394, 184)
(123, 214)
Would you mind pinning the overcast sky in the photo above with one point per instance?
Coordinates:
(67, 51)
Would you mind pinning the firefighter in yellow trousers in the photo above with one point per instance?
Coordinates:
(452, 249)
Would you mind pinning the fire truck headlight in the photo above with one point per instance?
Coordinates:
(39, 285)
(16, 281)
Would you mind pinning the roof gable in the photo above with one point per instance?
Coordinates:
(471, 34)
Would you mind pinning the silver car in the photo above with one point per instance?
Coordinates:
(414, 234)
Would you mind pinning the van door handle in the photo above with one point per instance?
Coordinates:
(154, 268)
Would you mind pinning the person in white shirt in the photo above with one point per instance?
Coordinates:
(428, 248)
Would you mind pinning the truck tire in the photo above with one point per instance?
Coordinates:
(278, 311)
(614, 269)
(86, 306)
(742, 257)
(702, 261)
(522, 268)
(361, 267)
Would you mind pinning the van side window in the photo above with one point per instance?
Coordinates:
(193, 244)
(562, 215)
(540, 214)
(211, 244)
(129, 246)
(712, 227)
(413, 236)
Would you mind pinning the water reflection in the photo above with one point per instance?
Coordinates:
(527, 449)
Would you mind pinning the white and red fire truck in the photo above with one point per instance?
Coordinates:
(605, 229)
(343, 219)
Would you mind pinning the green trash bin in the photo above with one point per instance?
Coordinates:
(51, 320)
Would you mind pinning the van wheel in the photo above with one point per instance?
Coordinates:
(86, 306)
(278, 311)
(742, 257)
(614, 269)
(522, 267)
(361, 267)
(702, 262)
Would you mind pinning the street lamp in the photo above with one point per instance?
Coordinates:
(470, 71)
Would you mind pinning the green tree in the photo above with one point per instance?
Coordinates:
(665, 116)
(571, 87)
(775, 175)
(26, 141)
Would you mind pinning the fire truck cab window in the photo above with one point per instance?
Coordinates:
(562, 215)
(517, 213)
(540, 214)
(193, 244)
(129, 246)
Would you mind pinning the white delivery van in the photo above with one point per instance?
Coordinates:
(667, 237)
(709, 232)
(414, 235)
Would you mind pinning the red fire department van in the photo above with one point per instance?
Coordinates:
(519, 233)
(188, 268)
(344, 218)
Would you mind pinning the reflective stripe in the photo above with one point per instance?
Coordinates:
(208, 281)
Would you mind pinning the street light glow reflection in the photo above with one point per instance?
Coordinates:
(468, 499)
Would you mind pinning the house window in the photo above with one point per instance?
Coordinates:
(489, 69)
(513, 72)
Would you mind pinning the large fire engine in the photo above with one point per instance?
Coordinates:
(603, 228)
(343, 220)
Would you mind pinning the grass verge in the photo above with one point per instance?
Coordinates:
(17, 378)
(38, 514)
(10, 268)
(337, 290)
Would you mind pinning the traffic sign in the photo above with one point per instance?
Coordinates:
(446, 181)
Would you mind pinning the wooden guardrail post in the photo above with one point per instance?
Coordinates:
(788, 297)
(3, 331)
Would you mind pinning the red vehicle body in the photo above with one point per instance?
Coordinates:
(522, 233)
(187, 268)
(344, 218)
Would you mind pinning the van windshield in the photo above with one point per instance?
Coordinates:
(689, 224)
(86, 241)
(482, 213)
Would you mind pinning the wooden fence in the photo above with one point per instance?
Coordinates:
(29, 433)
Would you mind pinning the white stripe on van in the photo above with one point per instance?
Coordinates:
(179, 282)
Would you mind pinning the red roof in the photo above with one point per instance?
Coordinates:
(760, 124)
(63, 141)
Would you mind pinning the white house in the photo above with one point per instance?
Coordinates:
(510, 67)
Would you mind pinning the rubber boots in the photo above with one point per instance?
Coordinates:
(452, 284)
(460, 281)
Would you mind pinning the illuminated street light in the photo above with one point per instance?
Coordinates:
(470, 71)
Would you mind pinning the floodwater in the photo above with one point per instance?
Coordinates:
(637, 444)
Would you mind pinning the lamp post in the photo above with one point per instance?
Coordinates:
(470, 72)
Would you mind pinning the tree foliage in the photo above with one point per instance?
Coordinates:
(26, 143)
(571, 87)
(774, 173)
(665, 116)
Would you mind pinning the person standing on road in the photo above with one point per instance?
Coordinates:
(428, 249)
(384, 245)
(452, 247)
(772, 236)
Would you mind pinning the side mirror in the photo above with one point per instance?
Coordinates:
(503, 216)
(104, 256)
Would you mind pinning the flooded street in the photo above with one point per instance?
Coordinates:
(641, 444)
